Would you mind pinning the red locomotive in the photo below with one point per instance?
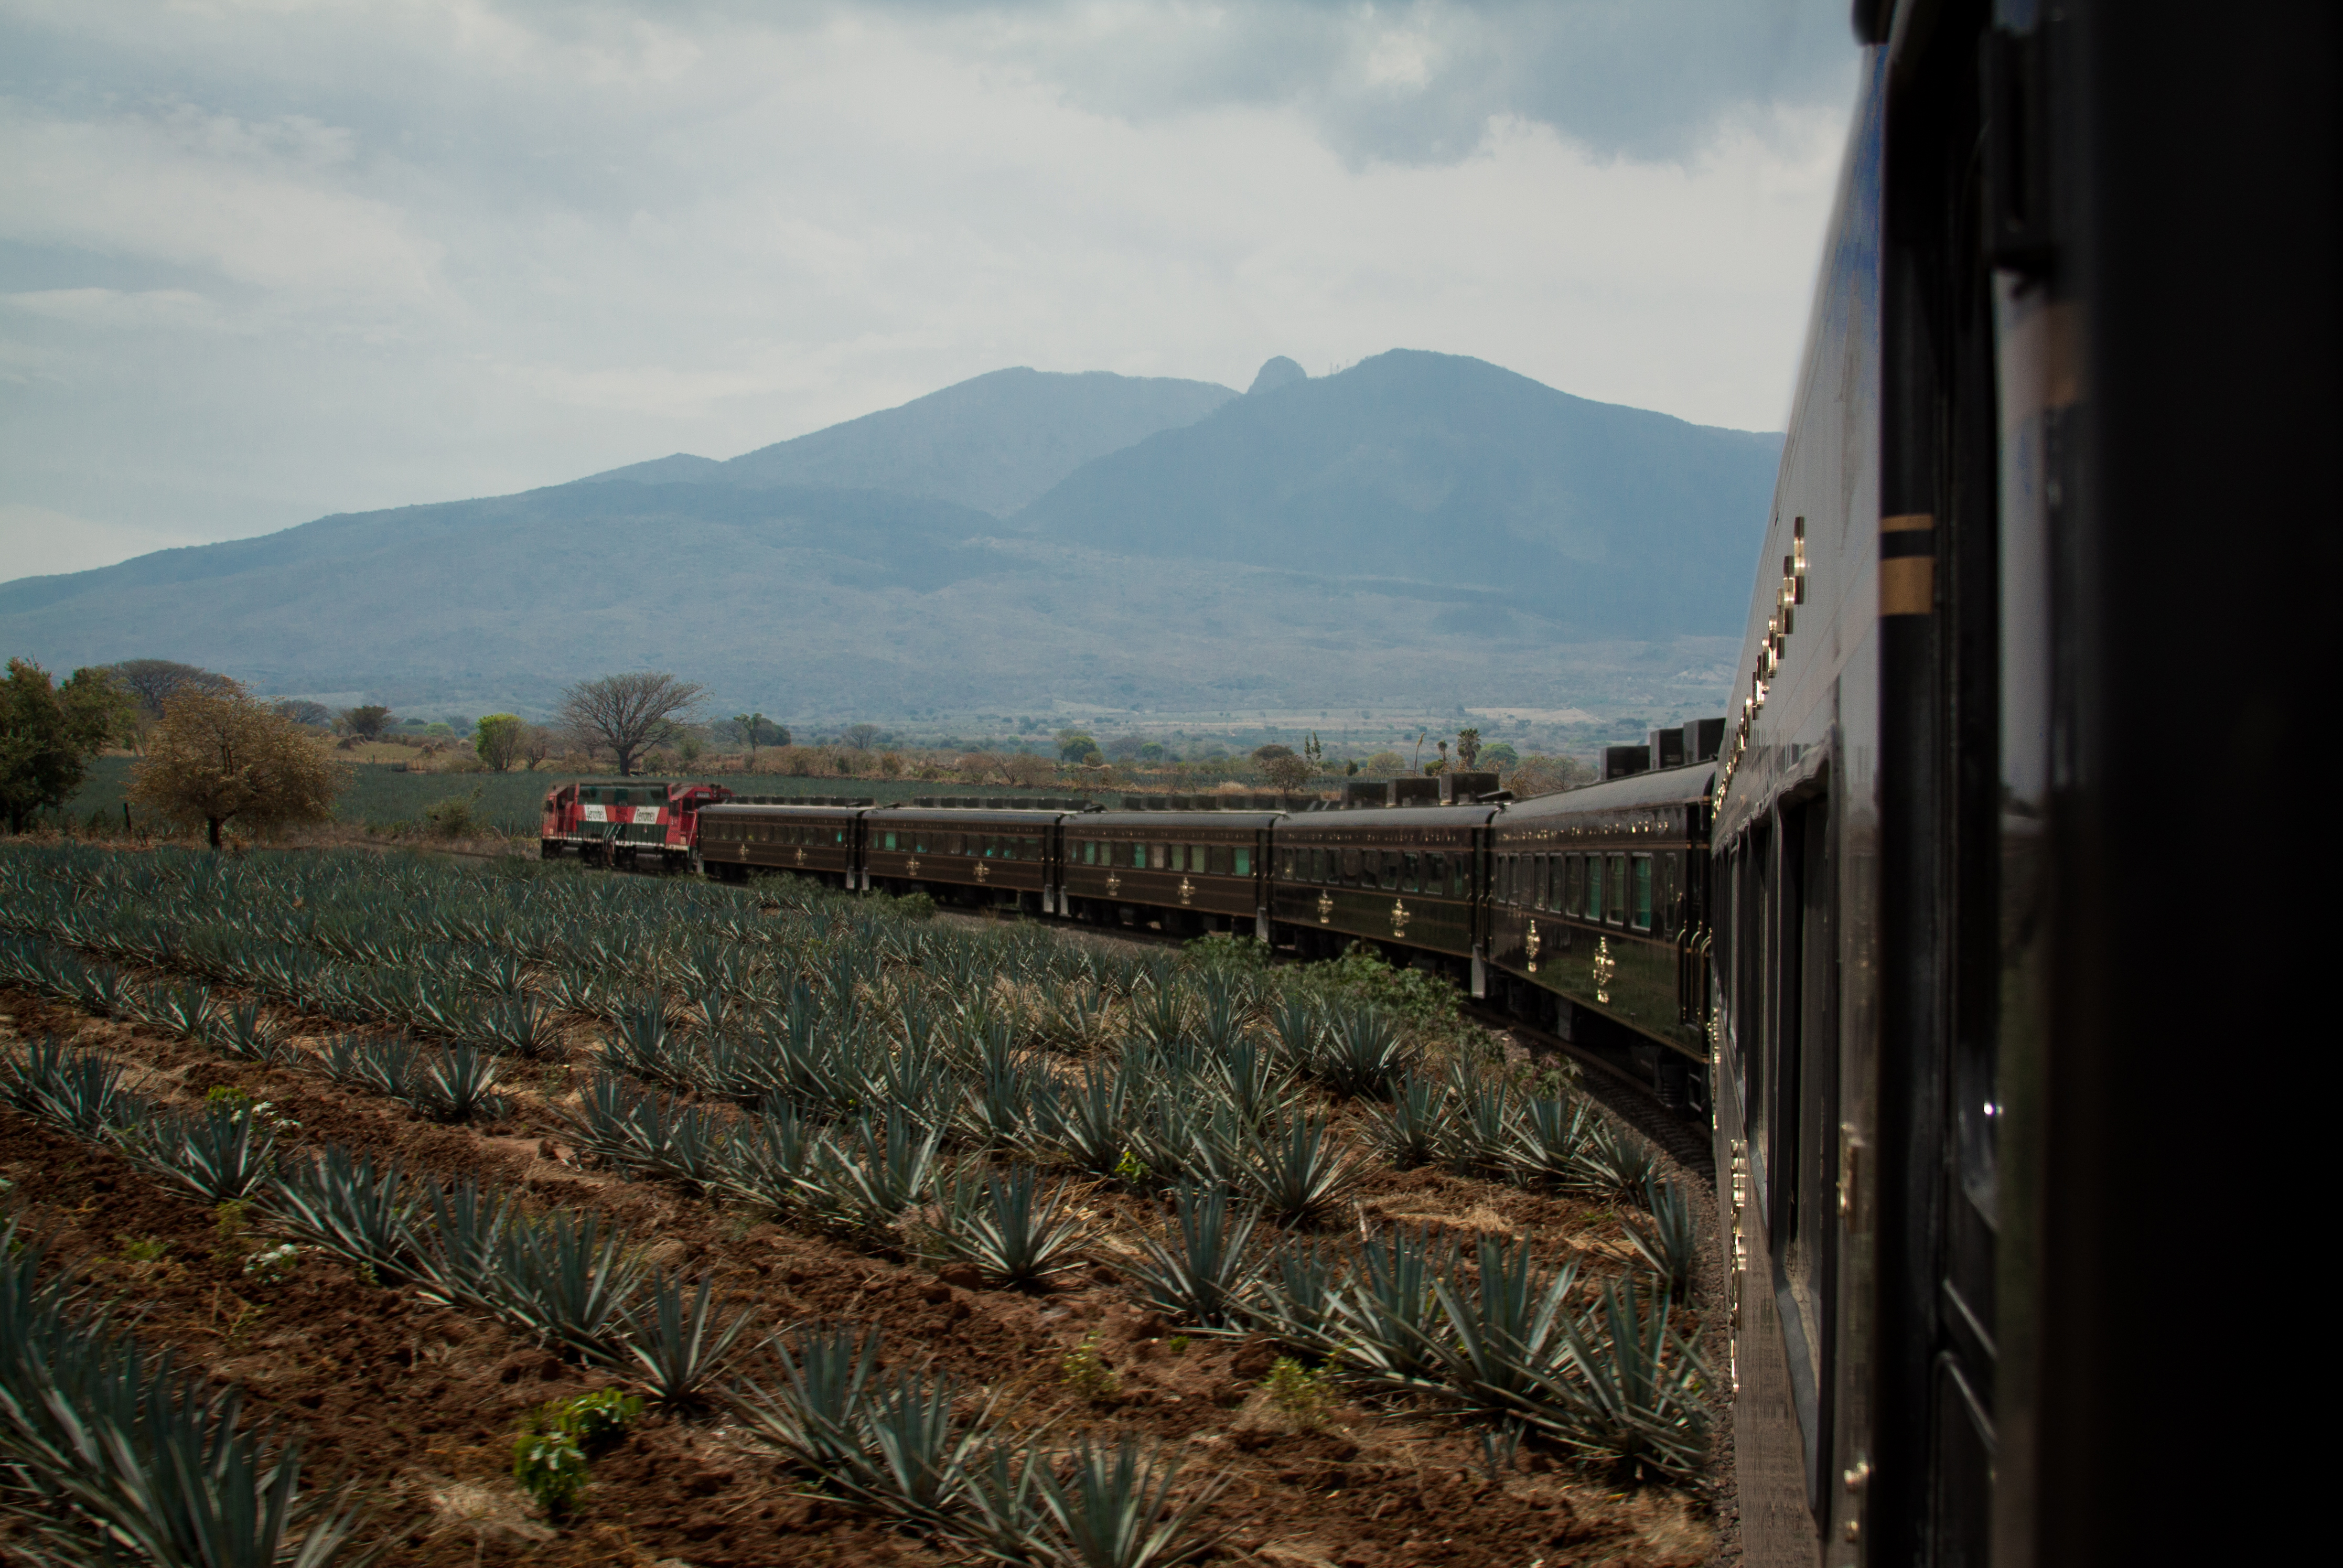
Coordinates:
(624, 821)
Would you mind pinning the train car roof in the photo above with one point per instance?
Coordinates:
(1180, 818)
(768, 809)
(1016, 815)
(1684, 786)
(1472, 816)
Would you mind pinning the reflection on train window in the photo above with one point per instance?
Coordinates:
(1243, 859)
(1617, 878)
(1179, 858)
(1349, 868)
(1592, 907)
(1574, 883)
(1158, 856)
(1407, 868)
(1639, 908)
(889, 843)
(1391, 870)
(1435, 873)
(1089, 852)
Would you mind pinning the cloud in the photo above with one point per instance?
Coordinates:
(127, 310)
(263, 262)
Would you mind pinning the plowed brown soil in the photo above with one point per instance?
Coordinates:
(416, 1405)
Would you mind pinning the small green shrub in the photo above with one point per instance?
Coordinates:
(916, 907)
(1300, 1395)
(551, 1453)
(1087, 1373)
(143, 1249)
(455, 816)
(550, 1462)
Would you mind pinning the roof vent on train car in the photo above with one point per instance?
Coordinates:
(1361, 792)
(1701, 738)
(1667, 748)
(1620, 761)
(1417, 791)
(1461, 789)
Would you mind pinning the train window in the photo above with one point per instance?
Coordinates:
(1219, 861)
(889, 843)
(1574, 883)
(1639, 908)
(1157, 856)
(1408, 866)
(1243, 858)
(991, 845)
(1435, 873)
(1617, 876)
(1592, 907)
(1350, 875)
(1179, 858)
(1391, 870)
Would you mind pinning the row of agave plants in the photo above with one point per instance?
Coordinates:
(832, 1073)
(114, 1454)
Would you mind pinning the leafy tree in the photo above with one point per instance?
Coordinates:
(1282, 765)
(49, 733)
(497, 739)
(1468, 745)
(219, 757)
(300, 712)
(629, 713)
(1500, 754)
(756, 730)
(366, 722)
(152, 682)
(1074, 745)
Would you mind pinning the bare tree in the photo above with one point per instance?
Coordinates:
(859, 736)
(152, 682)
(537, 744)
(629, 713)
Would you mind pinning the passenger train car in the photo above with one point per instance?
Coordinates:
(2045, 516)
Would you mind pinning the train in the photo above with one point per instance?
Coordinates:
(1583, 913)
(1934, 931)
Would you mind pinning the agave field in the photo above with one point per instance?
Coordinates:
(360, 1205)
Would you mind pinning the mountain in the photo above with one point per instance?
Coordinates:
(1419, 525)
(1439, 469)
(994, 442)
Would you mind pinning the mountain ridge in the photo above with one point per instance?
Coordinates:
(1417, 524)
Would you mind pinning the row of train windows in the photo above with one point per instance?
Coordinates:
(777, 832)
(1210, 859)
(982, 846)
(1615, 889)
(1440, 874)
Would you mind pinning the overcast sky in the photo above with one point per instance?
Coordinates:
(264, 261)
